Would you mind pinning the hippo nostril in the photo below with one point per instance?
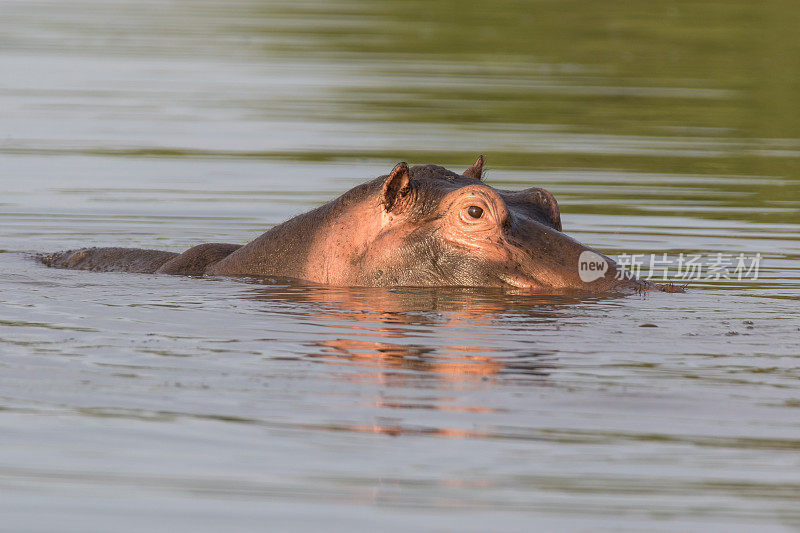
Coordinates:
(475, 212)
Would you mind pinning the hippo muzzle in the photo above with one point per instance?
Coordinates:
(541, 258)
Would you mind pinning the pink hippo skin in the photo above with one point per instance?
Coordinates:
(418, 226)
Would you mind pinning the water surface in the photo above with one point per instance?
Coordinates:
(175, 403)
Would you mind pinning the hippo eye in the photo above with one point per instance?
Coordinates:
(475, 211)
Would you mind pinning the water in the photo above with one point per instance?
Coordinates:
(174, 403)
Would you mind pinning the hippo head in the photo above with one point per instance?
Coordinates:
(438, 227)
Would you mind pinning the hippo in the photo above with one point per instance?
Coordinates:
(419, 226)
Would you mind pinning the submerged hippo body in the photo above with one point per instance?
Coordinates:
(418, 226)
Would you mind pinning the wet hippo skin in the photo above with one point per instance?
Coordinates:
(417, 226)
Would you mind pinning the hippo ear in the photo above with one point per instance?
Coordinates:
(476, 170)
(396, 186)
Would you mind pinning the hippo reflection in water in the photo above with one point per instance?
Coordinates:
(418, 226)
